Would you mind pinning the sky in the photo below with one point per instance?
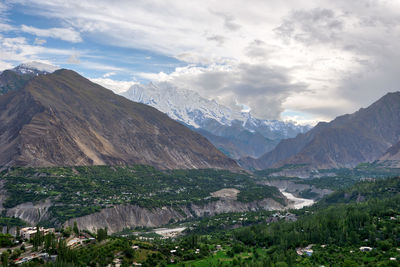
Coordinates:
(298, 60)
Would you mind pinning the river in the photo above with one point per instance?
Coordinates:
(298, 202)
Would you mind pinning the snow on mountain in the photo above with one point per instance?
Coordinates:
(35, 67)
(16, 78)
(182, 105)
(190, 108)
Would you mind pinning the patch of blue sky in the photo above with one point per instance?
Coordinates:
(90, 57)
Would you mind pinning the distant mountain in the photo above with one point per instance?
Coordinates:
(35, 68)
(237, 134)
(63, 119)
(17, 77)
(344, 142)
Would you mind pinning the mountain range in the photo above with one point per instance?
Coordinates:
(52, 117)
(236, 133)
(63, 119)
(348, 140)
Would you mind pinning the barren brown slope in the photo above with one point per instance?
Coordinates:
(392, 156)
(63, 119)
(344, 142)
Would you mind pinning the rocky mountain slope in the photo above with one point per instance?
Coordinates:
(17, 77)
(344, 142)
(63, 119)
(236, 133)
(392, 156)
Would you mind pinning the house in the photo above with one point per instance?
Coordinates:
(29, 232)
(307, 251)
(365, 249)
(74, 242)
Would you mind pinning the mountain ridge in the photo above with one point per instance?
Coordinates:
(344, 142)
(60, 119)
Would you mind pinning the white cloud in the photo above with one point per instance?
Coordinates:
(17, 50)
(319, 58)
(258, 87)
(4, 27)
(114, 85)
(109, 74)
(39, 41)
(5, 65)
(101, 67)
(66, 34)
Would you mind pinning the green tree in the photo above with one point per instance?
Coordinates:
(102, 234)
(4, 258)
(76, 229)
(37, 239)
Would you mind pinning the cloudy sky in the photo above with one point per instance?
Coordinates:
(293, 60)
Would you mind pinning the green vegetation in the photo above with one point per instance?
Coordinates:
(331, 232)
(226, 221)
(79, 191)
(336, 229)
(362, 191)
(334, 179)
(10, 222)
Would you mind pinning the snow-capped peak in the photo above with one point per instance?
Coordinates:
(35, 67)
(183, 105)
(192, 109)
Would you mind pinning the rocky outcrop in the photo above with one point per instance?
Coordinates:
(226, 205)
(121, 217)
(30, 212)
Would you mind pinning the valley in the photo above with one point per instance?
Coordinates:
(124, 197)
(150, 191)
(199, 133)
(366, 209)
(208, 220)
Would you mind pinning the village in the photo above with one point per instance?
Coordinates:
(22, 245)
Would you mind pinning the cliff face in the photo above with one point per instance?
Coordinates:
(344, 142)
(31, 213)
(63, 119)
(121, 217)
(128, 216)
